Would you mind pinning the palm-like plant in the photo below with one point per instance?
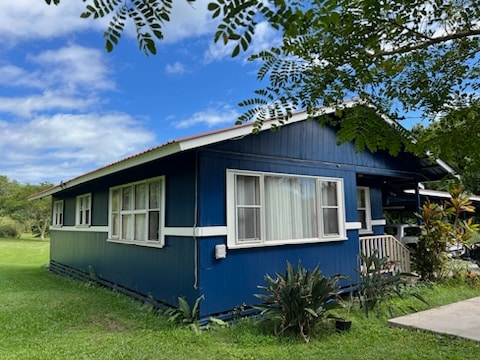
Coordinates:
(298, 299)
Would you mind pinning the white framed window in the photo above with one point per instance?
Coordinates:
(364, 212)
(137, 212)
(57, 215)
(84, 210)
(275, 209)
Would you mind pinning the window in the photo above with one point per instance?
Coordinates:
(57, 216)
(275, 209)
(136, 212)
(363, 209)
(84, 210)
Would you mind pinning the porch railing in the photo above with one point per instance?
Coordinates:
(387, 246)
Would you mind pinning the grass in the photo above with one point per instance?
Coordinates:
(44, 316)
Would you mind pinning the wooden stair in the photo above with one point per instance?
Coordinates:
(387, 246)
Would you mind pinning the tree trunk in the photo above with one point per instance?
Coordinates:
(42, 229)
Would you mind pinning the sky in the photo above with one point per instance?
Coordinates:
(68, 107)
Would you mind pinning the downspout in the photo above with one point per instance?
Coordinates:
(195, 223)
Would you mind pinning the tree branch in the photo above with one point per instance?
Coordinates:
(427, 43)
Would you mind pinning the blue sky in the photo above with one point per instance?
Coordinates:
(68, 107)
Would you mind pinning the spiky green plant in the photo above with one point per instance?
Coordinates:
(378, 284)
(185, 314)
(298, 300)
(188, 315)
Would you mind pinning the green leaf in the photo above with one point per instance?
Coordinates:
(312, 312)
(108, 45)
(236, 51)
(150, 45)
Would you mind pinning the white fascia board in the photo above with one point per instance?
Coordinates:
(135, 160)
(246, 129)
(438, 193)
(238, 131)
(447, 167)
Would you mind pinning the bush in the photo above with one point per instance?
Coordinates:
(443, 224)
(9, 228)
(379, 285)
(298, 300)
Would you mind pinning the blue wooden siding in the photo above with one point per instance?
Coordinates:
(100, 207)
(69, 205)
(164, 273)
(307, 140)
(180, 191)
(232, 282)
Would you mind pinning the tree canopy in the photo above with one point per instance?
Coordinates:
(398, 55)
(454, 138)
(28, 215)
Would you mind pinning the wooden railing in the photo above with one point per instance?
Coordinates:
(387, 246)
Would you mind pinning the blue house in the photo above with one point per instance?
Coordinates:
(212, 214)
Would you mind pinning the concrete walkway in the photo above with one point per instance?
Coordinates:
(459, 319)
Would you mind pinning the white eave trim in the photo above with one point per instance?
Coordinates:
(438, 194)
(152, 155)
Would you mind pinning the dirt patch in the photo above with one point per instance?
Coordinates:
(109, 324)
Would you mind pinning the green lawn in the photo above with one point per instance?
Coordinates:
(44, 316)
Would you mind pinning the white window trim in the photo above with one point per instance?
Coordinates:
(368, 211)
(77, 211)
(55, 213)
(231, 215)
(148, 243)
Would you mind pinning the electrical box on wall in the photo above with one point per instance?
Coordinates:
(220, 251)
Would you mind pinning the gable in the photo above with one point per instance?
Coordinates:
(309, 141)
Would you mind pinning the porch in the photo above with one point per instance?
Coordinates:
(386, 246)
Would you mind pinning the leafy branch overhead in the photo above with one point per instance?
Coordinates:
(398, 55)
(148, 16)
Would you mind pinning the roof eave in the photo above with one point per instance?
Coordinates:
(165, 150)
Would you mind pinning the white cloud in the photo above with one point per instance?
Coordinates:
(22, 20)
(176, 68)
(34, 19)
(264, 38)
(74, 67)
(211, 117)
(66, 145)
(69, 67)
(189, 20)
(69, 78)
(12, 75)
(27, 105)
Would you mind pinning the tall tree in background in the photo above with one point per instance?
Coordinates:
(398, 55)
(14, 204)
(454, 137)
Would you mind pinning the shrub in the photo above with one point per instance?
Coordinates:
(441, 225)
(9, 228)
(188, 315)
(378, 284)
(185, 314)
(298, 300)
